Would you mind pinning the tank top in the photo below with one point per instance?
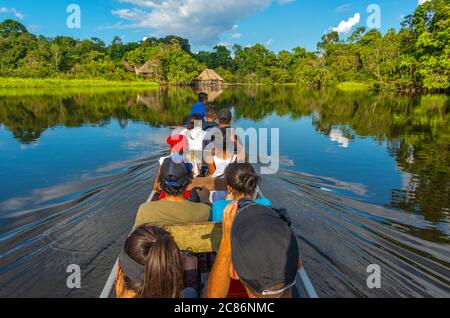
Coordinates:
(221, 165)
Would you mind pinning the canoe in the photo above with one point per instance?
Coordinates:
(205, 238)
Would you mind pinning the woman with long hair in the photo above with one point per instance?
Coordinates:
(150, 266)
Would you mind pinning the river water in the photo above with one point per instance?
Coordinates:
(364, 176)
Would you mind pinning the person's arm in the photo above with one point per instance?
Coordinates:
(156, 185)
(210, 163)
(218, 284)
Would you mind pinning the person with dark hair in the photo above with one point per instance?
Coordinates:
(178, 145)
(259, 249)
(174, 208)
(210, 118)
(242, 183)
(225, 118)
(151, 266)
(200, 107)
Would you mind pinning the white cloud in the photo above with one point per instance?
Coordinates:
(422, 1)
(346, 26)
(269, 42)
(201, 21)
(236, 35)
(12, 11)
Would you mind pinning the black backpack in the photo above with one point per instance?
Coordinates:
(282, 213)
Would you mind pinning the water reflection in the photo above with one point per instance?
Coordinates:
(413, 131)
(416, 129)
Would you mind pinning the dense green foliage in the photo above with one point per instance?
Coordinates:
(415, 58)
(63, 83)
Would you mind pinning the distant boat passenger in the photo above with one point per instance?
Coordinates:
(210, 118)
(200, 107)
(195, 136)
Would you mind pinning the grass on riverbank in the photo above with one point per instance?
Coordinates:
(355, 86)
(7, 82)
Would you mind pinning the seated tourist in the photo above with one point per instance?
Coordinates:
(178, 146)
(151, 266)
(210, 118)
(259, 249)
(242, 182)
(174, 208)
(195, 135)
(225, 118)
(200, 107)
(222, 153)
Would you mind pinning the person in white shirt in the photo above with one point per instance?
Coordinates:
(195, 136)
(222, 155)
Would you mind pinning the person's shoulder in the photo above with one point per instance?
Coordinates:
(162, 159)
(145, 206)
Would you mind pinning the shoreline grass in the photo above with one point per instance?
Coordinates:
(352, 86)
(12, 82)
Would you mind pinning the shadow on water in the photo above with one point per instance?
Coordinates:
(46, 227)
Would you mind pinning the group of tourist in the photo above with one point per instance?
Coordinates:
(258, 250)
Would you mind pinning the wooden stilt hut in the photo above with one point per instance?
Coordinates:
(209, 78)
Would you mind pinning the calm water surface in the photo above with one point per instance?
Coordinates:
(365, 177)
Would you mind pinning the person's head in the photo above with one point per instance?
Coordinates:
(174, 178)
(225, 117)
(178, 144)
(152, 264)
(193, 119)
(241, 179)
(210, 114)
(203, 97)
(264, 253)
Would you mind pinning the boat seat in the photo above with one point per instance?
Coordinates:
(197, 238)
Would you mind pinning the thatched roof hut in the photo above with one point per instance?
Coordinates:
(127, 67)
(210, 78)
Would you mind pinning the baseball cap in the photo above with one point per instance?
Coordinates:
(264, 249)
(178, 143)
(173, 173)
(225, 115)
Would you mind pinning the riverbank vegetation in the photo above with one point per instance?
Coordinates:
(9, 82)
(416, 58)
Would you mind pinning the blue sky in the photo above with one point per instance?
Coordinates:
(279, 24)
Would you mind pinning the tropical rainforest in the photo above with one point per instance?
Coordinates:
(414, 58)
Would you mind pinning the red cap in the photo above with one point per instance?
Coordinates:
(178, 143)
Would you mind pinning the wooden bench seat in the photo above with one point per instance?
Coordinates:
(197, 238)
